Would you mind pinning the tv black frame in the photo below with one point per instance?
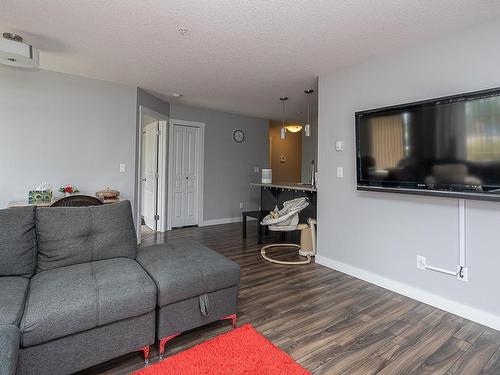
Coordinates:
(413, 188)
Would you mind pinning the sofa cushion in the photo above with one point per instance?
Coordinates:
(75, 298)
(12, 297)
(17, 241)
(72, 235)
(185, 269)
(9, 347)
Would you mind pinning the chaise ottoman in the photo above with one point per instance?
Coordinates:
(195, 285)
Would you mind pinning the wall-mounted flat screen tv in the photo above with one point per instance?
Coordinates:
(447, 146)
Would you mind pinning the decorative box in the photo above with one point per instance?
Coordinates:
(39, 196)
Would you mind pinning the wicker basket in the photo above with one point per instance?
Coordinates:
(108, 194)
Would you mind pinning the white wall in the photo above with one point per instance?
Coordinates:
(229, 166)
(64, 129)
(378, 236)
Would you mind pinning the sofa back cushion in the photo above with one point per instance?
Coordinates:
(17, 241)
(72, 235)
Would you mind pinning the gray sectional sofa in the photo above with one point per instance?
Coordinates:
(76, 291)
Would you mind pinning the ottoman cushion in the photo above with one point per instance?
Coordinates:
(186, 269)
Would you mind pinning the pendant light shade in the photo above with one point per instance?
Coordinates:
(307, 127)
(294, 128)
(307, 130)
(283, 128)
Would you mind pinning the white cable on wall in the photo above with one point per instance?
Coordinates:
(462, 232)
(462, 272)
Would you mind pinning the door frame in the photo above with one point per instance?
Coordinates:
(201, 166)
(162, 169)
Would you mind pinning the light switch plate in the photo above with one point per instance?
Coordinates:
(339, 146)
(340, 172)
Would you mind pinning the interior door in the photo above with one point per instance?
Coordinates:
(150, 133)
(185, 176)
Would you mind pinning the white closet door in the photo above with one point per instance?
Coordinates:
(185, 176)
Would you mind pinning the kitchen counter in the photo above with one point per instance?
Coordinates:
(286, 185)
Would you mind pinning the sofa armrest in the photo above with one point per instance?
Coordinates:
(9, 347)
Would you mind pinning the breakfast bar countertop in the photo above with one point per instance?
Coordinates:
(286, 185)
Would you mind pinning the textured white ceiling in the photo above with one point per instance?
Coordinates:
(238, 56)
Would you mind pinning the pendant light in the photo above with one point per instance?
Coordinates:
(294, 128)
(283, 128)
(307, 127)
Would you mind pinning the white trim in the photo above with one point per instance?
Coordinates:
(162, 176)
(227, 220)
(147, 111)
(201, 166)
(442, 303)
(169, 173)
(193, 124)
(163, 121)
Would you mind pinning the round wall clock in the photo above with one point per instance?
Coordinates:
(238, 136)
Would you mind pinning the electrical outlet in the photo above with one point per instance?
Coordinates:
(241, 204)
(123, 167)
(421, 262)
(462, 273)
(256, 169)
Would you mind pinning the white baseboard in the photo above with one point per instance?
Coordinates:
(465, 311)
(226, 220)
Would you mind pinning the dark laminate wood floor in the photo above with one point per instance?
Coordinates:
(332, 323)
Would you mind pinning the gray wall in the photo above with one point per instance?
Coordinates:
(383, 233)
(229, 166)
(152, 102)
(64, 129)
(310, 150)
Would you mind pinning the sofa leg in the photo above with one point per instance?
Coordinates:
(163, 341)
(233, 319)
(145, 350)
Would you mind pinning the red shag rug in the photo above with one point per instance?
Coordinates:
(241, 351)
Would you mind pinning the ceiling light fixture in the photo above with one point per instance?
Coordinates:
(182, 30)
(14, 52)
(283, 128)
(307, 127)
(177, 95)
(294, 128)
